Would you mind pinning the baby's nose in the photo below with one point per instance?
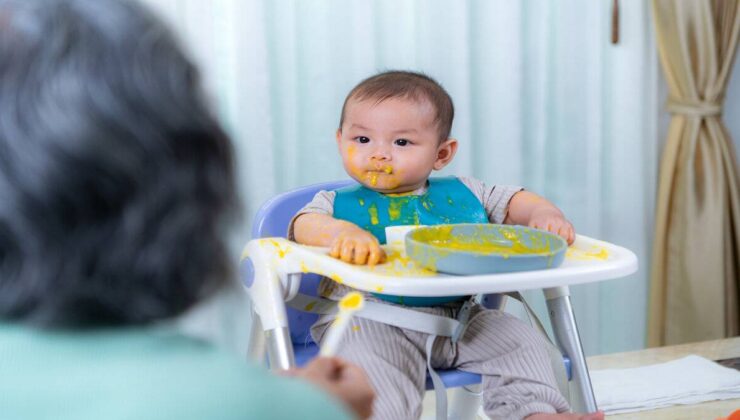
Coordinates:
(381, 153)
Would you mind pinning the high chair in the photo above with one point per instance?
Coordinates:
(273, 273)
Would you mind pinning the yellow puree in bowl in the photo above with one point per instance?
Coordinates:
(483, 242)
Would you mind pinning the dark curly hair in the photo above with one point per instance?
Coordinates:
(116, 183)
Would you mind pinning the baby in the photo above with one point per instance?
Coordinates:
(393, 132)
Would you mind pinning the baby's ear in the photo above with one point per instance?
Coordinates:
(445, 152)
(339, 135)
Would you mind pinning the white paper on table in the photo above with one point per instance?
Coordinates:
(689, 380)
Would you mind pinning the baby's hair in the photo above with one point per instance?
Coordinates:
(407, 85)
(116, 184)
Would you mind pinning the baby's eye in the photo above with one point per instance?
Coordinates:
(362, 139)
(402, 142)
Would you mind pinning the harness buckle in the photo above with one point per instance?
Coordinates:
(462, 317)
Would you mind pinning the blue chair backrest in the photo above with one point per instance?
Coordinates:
(272, 220)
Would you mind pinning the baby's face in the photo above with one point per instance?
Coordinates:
(391, 146)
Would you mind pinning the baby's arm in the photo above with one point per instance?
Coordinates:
(348, 242)
(529, 209)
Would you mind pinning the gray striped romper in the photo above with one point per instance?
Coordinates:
(511, 357)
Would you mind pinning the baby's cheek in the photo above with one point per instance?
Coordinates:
(351, 151)
(393, 181)
(352, 168)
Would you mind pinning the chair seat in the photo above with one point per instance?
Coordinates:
(450, 377)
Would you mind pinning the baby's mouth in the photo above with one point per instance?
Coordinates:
(373, 174)
(383, 169)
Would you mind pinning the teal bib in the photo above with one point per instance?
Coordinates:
(446, 201)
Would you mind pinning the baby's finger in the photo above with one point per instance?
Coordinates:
(376, 255)
(348, 248)
(563, 232)
(336, 248)
(361, 252)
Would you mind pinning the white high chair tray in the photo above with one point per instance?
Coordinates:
(269, 262)
(587, 260)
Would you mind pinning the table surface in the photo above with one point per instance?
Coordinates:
(714, 350)
(587, 260)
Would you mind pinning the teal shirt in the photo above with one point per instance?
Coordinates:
(141, 373)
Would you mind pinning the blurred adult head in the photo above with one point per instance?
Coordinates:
(116, 183)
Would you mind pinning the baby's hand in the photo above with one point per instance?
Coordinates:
(552, 220)
(357, 246)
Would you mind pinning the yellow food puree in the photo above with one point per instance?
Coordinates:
(483, 242)
(351, 300)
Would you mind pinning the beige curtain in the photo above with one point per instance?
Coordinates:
(696, 254)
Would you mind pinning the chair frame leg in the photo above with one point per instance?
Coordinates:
(280, 349)
(566, 335)
(275, 342)
(256, 345)
(267, 292)
(464, 402)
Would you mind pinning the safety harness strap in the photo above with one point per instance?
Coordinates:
(381, 312)
(440, 393)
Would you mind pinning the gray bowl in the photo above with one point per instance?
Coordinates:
(467, 249)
